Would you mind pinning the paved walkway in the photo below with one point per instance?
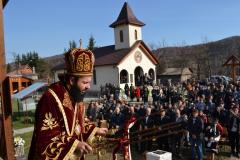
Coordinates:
(23, 130)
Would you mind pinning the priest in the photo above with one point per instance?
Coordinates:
(60, 130)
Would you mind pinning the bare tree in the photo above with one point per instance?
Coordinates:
(205, 50)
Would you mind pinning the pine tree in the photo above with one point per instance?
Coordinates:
(8, 68)
(91, 43)
(17, 59)
(72, 44)
(24, 59)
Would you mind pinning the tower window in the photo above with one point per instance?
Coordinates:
(121, 36)
(136, 34)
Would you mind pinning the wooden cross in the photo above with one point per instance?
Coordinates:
(232, 62)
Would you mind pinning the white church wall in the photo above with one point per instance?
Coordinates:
(130, 65)
(128, 36)
(125, 43)
(104, 74)
(132, 29)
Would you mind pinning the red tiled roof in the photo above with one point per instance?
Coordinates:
(109, 56)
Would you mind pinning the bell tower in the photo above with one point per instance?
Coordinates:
(127, 28)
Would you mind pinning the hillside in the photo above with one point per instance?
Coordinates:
(204, 59)
(55, 60)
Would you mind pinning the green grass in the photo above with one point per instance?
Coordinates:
(19, 119)
(20, 124)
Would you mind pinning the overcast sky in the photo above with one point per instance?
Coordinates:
(46, 26)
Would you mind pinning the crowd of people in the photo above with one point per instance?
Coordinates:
(206, 112)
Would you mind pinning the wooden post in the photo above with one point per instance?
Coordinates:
(6, 140)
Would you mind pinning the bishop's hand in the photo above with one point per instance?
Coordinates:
(84, 148)
(102, 131)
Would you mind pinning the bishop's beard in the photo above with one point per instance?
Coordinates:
(76, 94)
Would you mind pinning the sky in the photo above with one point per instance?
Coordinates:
(47, 26)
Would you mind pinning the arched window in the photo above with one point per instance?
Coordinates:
(121, 36)
(138, 76)
(151, 74)
(136, 34)
(123, 76)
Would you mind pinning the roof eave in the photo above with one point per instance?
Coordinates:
(115, 24)
(151, 53)
(4, 3)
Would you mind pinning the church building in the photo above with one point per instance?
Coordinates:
(125, 61)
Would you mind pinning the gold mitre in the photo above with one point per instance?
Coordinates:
(79, 62)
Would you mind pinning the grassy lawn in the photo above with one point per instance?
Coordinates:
(20, 124)
(23, 120)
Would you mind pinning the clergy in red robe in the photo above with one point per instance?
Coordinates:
(60, 131)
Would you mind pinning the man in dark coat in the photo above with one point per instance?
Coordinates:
(146, 123)
(145, 94)
(126, 90)
(159, 122)
(234, 124)
(117, 119)
(195, 128)
(132, 92)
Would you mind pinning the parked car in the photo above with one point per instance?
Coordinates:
(220, 79)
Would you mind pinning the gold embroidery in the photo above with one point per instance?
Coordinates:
(71, 151)
(60, 106)
(49, 122)
(54, 149)
(66, 101)
(80, 61)
(74, 119)
(91, 137)
(61, 109)
(77, 128)
(87, 126)
(83, 63)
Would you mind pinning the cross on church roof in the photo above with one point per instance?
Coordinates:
(126, 16)
(80, 41)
